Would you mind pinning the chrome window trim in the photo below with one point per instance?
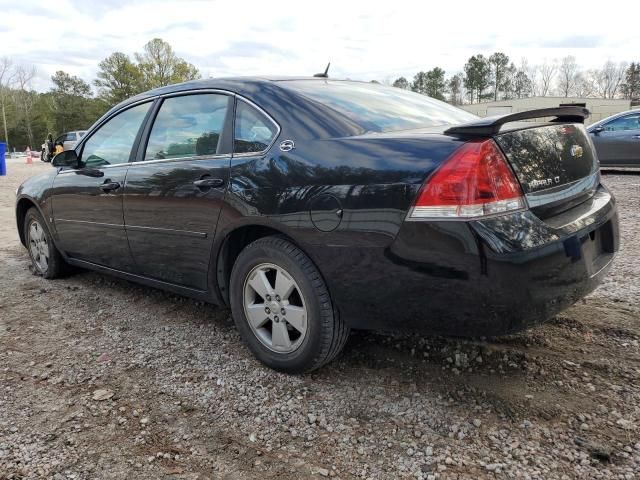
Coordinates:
(89, 132)
(180, 159)
(261, 110)
(202, 91)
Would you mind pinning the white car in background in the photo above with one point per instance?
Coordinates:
(70, 139)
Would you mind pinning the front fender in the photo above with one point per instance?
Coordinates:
(35, 192)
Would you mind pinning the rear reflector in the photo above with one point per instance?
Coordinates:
(475, 181)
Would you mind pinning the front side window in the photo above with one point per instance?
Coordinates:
(187, 126)
(253, 131)
(111, 144)
(630, 122)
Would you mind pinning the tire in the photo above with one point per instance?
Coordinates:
(40, 246)
(283, 264)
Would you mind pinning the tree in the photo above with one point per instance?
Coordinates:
(436, 85)
(160, 66)
(584, 85)
(568, 76)
(455, 88)
(419, 83)
(69, 96)
(532, 73)
(509, 83)
(477, 76)
(499, 64)
(631, 86)
(118, 78)
(26, 98)
(430, 83)
(522, 84)
(401, 83)
(547, 74)
(608, 80)
(6, 78)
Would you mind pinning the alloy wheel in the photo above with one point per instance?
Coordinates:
(38, 246)
(275, 308)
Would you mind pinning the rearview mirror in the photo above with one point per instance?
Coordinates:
(68, 158)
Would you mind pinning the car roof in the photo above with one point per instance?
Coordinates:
(240, 85)
(616, 115)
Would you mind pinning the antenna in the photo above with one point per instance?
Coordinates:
(326, 72)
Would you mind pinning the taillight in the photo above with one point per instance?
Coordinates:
(475, 181)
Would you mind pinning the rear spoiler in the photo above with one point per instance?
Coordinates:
(491, 125)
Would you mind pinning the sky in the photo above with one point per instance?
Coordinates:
(364, 40)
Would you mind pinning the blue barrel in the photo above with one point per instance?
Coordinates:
(3, 163)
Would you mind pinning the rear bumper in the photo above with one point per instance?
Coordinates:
(487, 277)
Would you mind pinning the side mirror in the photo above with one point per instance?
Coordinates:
(68, 158)
(597, 130)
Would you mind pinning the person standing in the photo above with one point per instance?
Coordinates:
(50, 148)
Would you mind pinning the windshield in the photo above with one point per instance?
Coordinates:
(378, 108)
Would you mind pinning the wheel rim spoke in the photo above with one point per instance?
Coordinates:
(256, 315)
(260, 284)
(33, 232)
(284, 285)
(297, 317)
(280, 336)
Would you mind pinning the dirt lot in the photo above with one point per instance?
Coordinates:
(101, 378)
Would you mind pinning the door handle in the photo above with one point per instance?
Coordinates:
(209, 182)
(109, 186)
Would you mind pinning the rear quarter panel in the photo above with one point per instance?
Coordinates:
(372, 182)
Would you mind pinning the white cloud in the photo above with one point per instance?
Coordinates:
(367, 40)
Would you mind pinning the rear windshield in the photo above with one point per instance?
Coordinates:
(378, 108)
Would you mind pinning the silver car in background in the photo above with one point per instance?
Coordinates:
(617, 139)
(69, 139)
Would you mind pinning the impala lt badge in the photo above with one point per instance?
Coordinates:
(545, 182)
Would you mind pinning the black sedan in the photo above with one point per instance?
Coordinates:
(313, 206)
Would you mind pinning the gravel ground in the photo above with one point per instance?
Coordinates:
(102, 378)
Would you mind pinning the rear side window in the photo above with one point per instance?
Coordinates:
(112, 142)
(253, 132)
(187, 126)
(377, 108)
(630, 122)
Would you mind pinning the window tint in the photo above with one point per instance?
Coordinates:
(187, 126)
(377, 108)
(253, 131)
(630, 122)
(112, 142)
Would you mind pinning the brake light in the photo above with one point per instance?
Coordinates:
(475, 181)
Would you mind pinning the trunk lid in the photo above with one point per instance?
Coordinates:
(554, 163)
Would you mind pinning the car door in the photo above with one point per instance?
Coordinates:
(87, 201)
(619, 141)
(175, 188)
